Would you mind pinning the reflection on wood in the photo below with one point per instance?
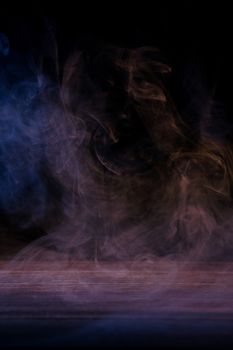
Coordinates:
(86, 289)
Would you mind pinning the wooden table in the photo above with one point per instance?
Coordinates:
(187, 297)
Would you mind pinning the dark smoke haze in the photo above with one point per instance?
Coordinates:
(97, 164)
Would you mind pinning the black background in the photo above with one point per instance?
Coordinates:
(194, 37)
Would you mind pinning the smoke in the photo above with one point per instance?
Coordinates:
(103, 164)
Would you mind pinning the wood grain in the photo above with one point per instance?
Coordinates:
(87, 289)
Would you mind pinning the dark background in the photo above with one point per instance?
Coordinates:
(194, 37)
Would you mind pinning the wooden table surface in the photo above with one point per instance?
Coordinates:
(116, 305)
(84, 289)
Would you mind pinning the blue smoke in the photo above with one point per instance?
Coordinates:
(23, 191)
